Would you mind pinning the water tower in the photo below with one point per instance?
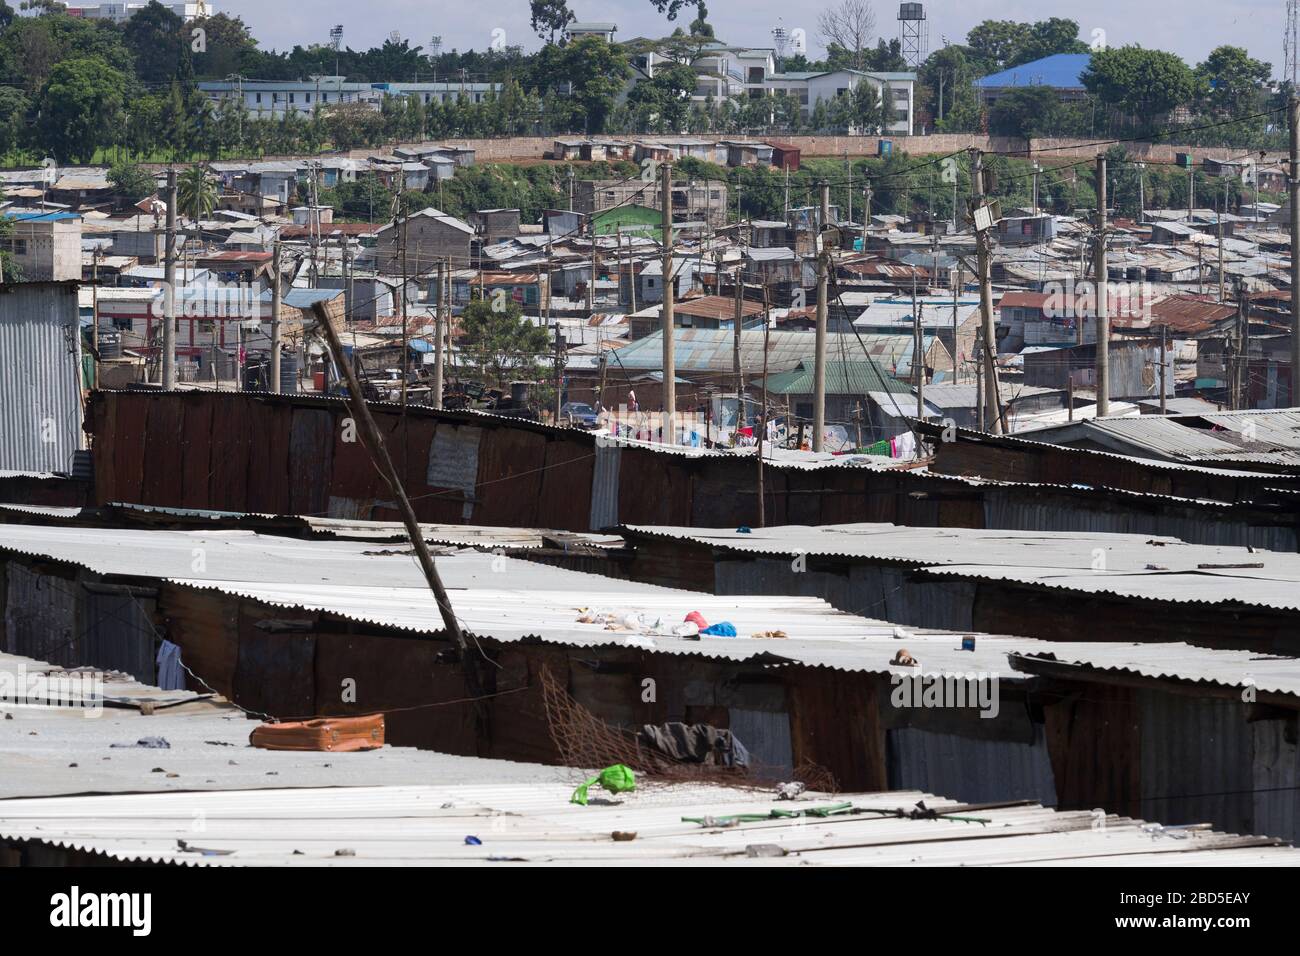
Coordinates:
(913, 33)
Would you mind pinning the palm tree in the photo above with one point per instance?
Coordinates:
(195, 192)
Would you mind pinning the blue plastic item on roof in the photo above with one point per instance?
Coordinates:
(744, 529)
(721, 629)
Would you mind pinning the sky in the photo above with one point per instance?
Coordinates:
(1190, 28)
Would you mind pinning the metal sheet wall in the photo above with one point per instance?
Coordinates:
(40, 616)
(970, 769)
(604, 487)
(40, 388)
(119, 634)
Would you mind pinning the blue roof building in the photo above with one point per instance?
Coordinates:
(1060, 71)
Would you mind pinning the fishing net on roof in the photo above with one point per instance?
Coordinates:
(584, 740)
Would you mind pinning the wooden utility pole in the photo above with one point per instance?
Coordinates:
(1294, 200)
(669, 358)
(1164, 352)
(918, 355)
(559, 373)
(988, 376)
(591, 286)
(94, 318)
(406, 345)
(1102, 297)
(738, 321)
(275, 317)
(1223, 206)
(823, 281)
(866, 213)
(349, 302)
(439, 333)
(762, 417)
(1243, 337)
(379, 454)
(956, 352)
(169, 294)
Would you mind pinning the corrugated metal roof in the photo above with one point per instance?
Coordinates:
(673, 826)
(1268, 437)
(508, 600)
(1136, 566)
(60, 751)
(842, 378)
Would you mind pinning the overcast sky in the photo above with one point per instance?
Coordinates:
(1190, 28)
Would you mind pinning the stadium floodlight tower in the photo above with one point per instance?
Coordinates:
(336, 41)
(913, 33)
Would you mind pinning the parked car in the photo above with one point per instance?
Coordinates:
(578, 414)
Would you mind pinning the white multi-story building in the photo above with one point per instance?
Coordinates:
(726, 72)
(273, 99)
(121, 12)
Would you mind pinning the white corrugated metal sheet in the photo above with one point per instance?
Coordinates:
(40, 377)
(511, 600)
(1131, 565)
(535, 824)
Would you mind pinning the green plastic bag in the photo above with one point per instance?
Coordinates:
(616, 779)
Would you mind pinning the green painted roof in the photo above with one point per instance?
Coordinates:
(842, 378)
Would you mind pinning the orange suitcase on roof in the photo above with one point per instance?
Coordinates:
(333, 734)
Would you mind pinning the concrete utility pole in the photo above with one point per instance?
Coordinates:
(1294, 199)
(819, 366)
(275, 317)
(669, 359)
(169, 294)
(987, 377)
(1103, 305)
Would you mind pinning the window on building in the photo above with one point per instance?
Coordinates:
(259, 97)
(17, 246)
(292, 97)
(122, 325)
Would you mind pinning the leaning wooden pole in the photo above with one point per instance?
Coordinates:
(379, 454)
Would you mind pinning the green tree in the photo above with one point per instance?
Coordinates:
(665, 100)
(230, 47)
(14, 109)
(998, 44)
(500, 344)
(132, 181)
(80, 109)
(155, 38)
(550, 17)
(1234, 82)
(946, 89)
(196, 194)
(1144, 84)
(1026, 112)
